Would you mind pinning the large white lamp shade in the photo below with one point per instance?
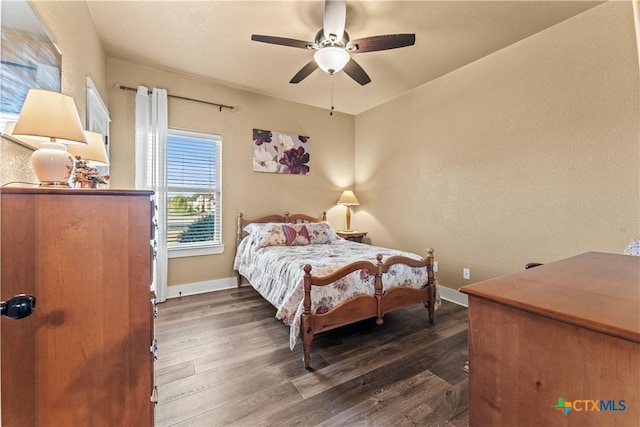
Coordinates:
(50, 117)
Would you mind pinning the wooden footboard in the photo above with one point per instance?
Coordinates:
(363, 307)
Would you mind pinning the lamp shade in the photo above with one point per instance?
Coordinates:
(348, 199)
(95, 149)
(331, 59)
(50, 116)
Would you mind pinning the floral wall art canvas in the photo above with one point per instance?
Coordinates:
(278, 152)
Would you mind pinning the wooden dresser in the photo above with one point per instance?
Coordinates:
(557, 344)
(83, 358)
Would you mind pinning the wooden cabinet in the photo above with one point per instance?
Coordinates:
(557, 344)
(83, 357)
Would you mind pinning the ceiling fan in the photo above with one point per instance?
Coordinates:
(333, 48)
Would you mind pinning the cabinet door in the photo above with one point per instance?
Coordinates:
(18, 339)
(83, 357)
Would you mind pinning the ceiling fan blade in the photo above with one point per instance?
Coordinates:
(388, 41)
(334, 18)
(283, 41)
(304, 72)
(356, 72)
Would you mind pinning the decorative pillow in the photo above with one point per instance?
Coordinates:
(296, 234)
(321, 233)
(267, 234)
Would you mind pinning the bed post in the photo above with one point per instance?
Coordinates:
(378, 289)
(305, 328)
(238, 239)
(324, 216)
(431, 284)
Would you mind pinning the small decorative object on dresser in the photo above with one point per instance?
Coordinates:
(354, 236)
(86, 176)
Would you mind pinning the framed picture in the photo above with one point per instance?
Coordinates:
(279, 152)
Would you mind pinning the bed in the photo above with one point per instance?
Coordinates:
(318, 281)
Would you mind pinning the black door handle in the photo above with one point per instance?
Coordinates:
(18, 306)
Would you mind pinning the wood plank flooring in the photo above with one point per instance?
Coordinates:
(224, 360)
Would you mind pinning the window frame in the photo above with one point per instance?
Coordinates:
(202, 248)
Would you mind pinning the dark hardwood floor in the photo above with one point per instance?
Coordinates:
(223, 359)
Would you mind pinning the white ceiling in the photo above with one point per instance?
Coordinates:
(212, 39)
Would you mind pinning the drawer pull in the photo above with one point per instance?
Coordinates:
(154, 248)
(154, 349)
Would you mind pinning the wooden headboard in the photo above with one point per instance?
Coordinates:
(286, 218)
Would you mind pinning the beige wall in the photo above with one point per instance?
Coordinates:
(15, 162)
(71, 28)
(529, 154)
(254, 194)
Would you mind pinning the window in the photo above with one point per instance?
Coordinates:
(193, 193)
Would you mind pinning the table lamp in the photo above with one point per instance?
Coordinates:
(94, 150)
(52, 119)
(348, 199)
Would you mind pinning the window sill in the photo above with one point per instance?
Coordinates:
(187, 251)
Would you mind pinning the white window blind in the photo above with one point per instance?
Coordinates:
(193, 189)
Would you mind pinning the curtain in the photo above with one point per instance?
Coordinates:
(150, 174)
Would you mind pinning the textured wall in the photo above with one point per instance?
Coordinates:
(71, 27)
(528, 154)
(254, 194)
(15, 163)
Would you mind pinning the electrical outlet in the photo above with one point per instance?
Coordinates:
(466, 273)
(435, 266)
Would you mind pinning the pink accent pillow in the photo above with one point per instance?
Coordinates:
(296, 235)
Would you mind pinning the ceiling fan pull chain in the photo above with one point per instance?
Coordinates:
(331, 92)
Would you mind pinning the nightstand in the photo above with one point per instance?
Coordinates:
(354, 236)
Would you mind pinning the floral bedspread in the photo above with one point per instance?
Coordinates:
(276, 272)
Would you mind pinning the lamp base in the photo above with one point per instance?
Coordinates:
(348, 228)
(55, 184)
(52, 164)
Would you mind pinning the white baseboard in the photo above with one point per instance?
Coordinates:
(453, 296)
(177, 291)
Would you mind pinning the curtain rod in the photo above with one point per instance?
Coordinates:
(220, 106)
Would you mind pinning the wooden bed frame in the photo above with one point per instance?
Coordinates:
(359, 307)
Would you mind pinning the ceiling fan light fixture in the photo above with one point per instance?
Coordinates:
(331, 59)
